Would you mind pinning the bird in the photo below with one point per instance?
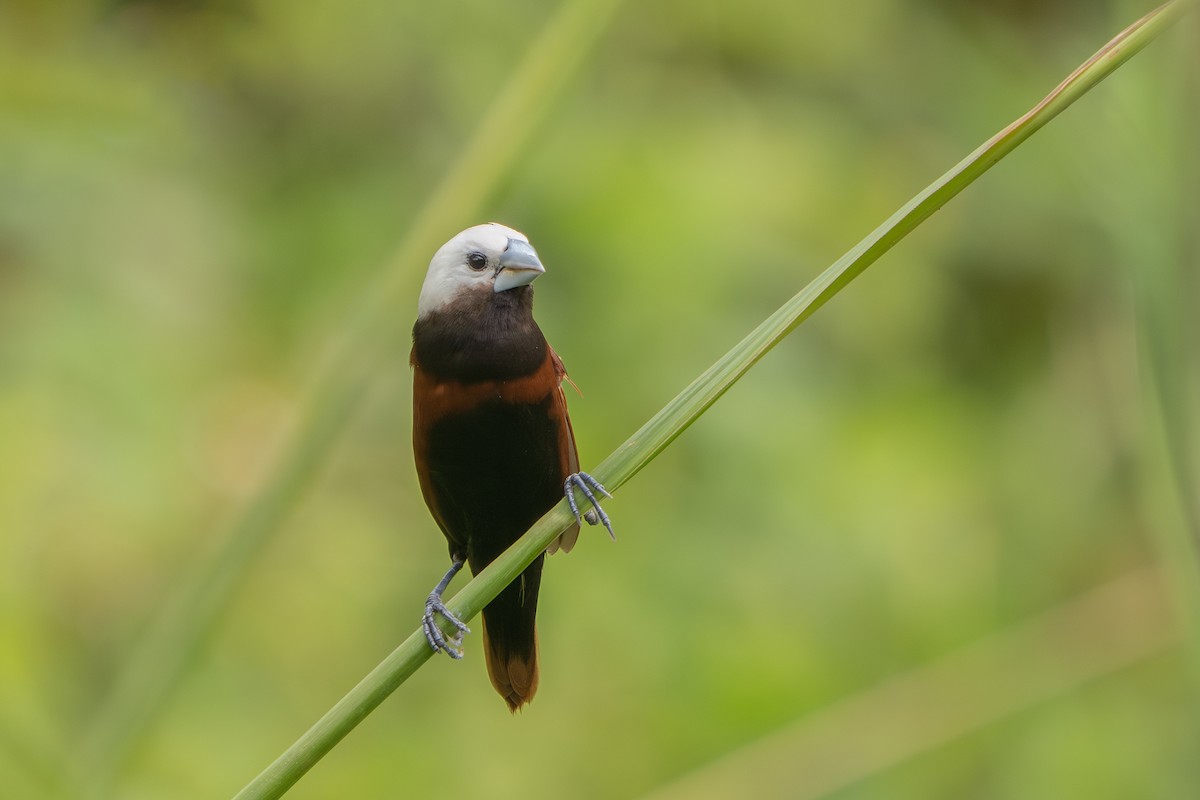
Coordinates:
(492, 442)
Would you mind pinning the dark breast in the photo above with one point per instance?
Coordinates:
(487, 337)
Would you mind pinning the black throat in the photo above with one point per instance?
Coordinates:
(483, 336)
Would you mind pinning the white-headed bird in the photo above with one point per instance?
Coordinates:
(493, 445)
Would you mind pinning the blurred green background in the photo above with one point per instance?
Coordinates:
(195, 196)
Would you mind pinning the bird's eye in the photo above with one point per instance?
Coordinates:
(477, 261)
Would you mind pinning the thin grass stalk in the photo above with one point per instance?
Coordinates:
(1160, 236)
(667, 424)
(1098, 633)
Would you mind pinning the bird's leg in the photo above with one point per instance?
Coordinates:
(434, 606)
(590, 487)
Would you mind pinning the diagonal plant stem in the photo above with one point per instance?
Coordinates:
(705, 390)
(159, 661)
(667, 424)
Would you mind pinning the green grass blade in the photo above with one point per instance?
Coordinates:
(160, 659)
(661, 430)
(1160, 206)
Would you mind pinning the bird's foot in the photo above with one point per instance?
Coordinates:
(434, 607)
(433, 633)
(590, 487)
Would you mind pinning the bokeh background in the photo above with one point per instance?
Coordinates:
(932, 546)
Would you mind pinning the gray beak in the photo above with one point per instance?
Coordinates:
(518, 266)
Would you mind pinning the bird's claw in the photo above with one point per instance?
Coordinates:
(589, 486)
(433, 632)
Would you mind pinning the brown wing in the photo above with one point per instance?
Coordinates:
(429, 406)
(567, 538)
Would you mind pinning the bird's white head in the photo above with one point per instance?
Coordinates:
(485, 258)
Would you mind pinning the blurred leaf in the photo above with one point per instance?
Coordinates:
(1094, 635)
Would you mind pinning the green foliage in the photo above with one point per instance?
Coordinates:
(196, 193)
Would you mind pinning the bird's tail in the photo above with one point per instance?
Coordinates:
(510, 637)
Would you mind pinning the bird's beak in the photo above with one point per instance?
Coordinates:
(518, 266)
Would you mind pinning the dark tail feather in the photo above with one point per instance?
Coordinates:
(510, 637)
